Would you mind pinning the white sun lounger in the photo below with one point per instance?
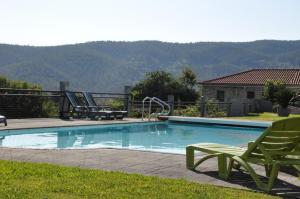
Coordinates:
(3, 120)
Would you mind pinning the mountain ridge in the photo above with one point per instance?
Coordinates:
(107, 66)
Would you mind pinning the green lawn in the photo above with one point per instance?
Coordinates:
(264, 117)
(34, 180)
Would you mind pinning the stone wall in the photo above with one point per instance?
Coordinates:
(236, 92)
(232, 92)
(237, 96)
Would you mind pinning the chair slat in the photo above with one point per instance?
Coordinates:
(270, 145)
(280, 139)
(294, 153)
(284, 133)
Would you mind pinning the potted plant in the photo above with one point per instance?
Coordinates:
(283, 98)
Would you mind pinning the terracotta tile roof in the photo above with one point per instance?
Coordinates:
(259, 77)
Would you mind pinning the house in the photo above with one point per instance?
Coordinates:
(247, 87)
(248, 84)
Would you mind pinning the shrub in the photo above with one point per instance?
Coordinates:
(50, 109)
(116, 103)
(135, 114)
(276, 92)
(271, 88)
(190, 111)
(283, 97)
(213, 109)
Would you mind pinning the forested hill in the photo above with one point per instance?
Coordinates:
(108, 66)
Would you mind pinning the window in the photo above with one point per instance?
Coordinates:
(250, 95)
(221, 96)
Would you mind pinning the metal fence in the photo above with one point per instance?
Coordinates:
(27, 103)
(216, 109)
(33, 103)
(206, 109)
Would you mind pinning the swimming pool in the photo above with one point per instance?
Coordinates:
(171, 137)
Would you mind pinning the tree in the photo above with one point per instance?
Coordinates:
(7, 83)
(161, 84)
(283, 97)
(157, 83)
(31, 106)
(188, 78)
(271, 89)
(276, 92)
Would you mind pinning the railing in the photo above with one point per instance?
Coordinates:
(143, 107)
(31, 103)
(158, 101)
(34, 103)
(209, 109)
(162, 104)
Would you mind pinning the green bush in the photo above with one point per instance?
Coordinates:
(276, 92)
(212, 109)
(116, 103)
(7, 83)
(283, 97)
(189, 111)
(135, 114)
(50, 109)
(25, 106)
(271, 88)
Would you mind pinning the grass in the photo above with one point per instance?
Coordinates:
(264, 117)
(35, 180)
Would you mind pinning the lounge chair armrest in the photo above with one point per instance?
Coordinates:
(250, 143)
(80, 107)
(95, 107)
(106, 107)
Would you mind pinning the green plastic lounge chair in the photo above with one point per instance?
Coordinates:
(92, 104)
(3, 120)
(279, 145)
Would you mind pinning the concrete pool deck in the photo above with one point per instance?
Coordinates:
(141, 162)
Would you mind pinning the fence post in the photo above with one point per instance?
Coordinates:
(171, 103)
(127, 98)
(202, 106)
(63, 102)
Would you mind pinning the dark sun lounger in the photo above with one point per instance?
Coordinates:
(87, 111)
(92, 103)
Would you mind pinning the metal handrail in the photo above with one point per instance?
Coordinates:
(164, 103)
(154, 100)
(146, 98)
(159, 102)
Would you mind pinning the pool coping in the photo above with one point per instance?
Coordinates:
(94, 123)
(57, 123)
(81, 125)
(220, 121)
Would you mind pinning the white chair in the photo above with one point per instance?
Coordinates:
(3, 120)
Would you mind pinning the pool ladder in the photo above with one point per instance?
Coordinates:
(158, 101)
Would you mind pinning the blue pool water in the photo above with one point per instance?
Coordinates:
(156, 136)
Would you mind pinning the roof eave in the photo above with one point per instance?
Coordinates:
(236, 84)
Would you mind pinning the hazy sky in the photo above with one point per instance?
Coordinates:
(55, 22)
